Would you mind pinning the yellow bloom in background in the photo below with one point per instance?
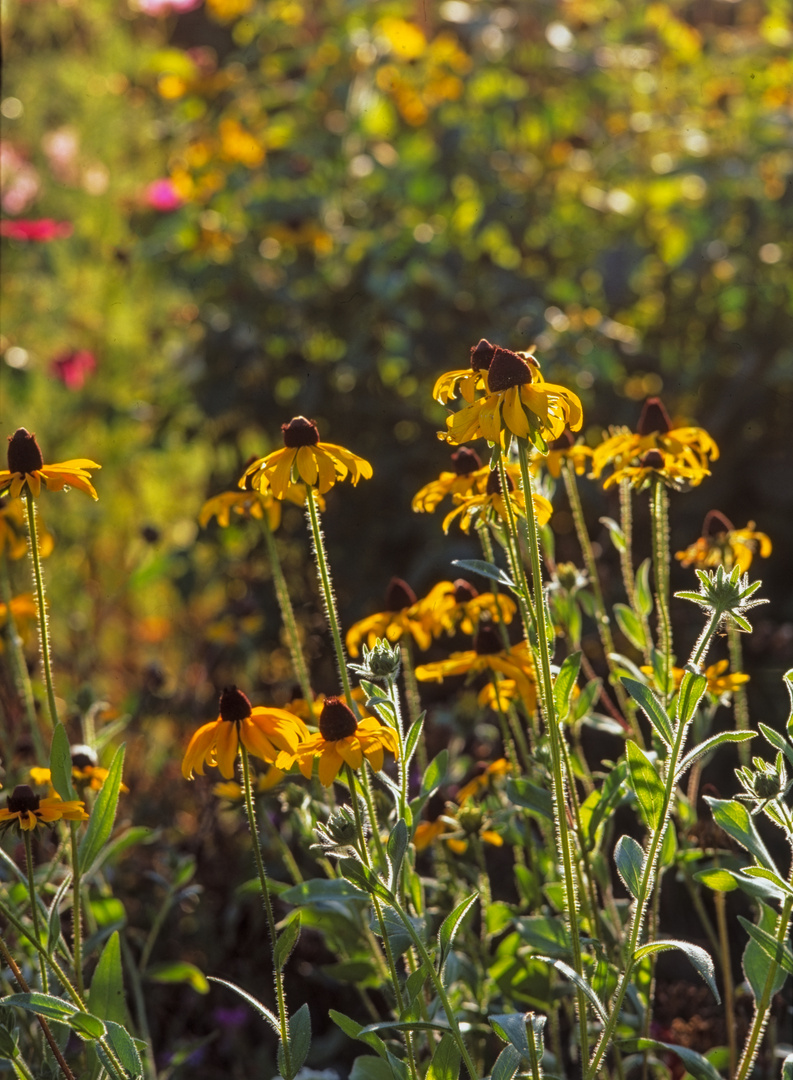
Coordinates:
(27, 810)
(458, 606)
(403, 614)
(466, 380)
(488, 654)
(342, 739)
(721, 544)
(719, 682)
(518, 402)
(251, 502)
(498, 695)
(226, 10)
(234, 792)
(13, 531)
(491, 501)
(305, 460)
(264, 732)
(468, 471)
(86, 772)
(480, 783)
(566, 449)
(22, 607)
(678, 456)
(26, 467)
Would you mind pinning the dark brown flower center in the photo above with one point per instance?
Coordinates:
(23, 798)
(506, 370)
(653, 459)
(234, 705)
(300, 432)
(654, 418)
(487, 641)
(337, 720)
(399, 595)
(464, 591)
(564, 442)
(716, 523)
(82, 761)
(482, 354)
(24, 455)
(465, 461)
(493, 485)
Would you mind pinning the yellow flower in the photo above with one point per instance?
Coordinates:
(403, 614)
(28, 810)
(719, 683)
(678, 456)
(498, 695)
(22, 606)
(244, 503)
(491, 502)
(227, 10)
(234, 792)
(342, 739)
(518, 402)
(565, 449)
(86, 773)
(479, 783)
(457, 606)
(469, 379)
(488, 654)
(264, 732)
(26, 466)
(427, 831)
(13, 535)
(468, 472)
(305, 460)
(721, 544)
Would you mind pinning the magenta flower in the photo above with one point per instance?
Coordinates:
(40, 231)
(162, 195)
(73, 367)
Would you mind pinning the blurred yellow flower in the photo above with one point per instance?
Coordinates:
(239, 145)
(565, 449)
(403, 614)
(26, 467)
(719, 682)
(491, 501)
(27, 810)
(468, 471)
(457, 606)
(721, 544)
(86, 773)
(253, 504)
(234, 792)
(226, 10)
(479, 783)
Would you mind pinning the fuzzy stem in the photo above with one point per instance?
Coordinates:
(77, 925)
(16, 657)
(283, 1016)
(38, 581)
(726, 974)
(34, 906)
(659, 512)
(740, 699)
(626, 561)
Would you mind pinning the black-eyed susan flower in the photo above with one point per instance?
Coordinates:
(678, 456)
(264, 732)
(21, 607)
(498, 695)
(490, 504)
(721, 544)
(488, 654)
(565, 448)
(253, 504)
(518, 402)
(457, 606)
(26, 467)
(483, 779)
(466, 380)
(27, 810)
(467, 473)
(305, 460)
(342, 740)
(87, 773)
(403, 614)
(720, 680)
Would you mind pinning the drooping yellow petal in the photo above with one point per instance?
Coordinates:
(350, 751)
(329, 764)
(279, 470)
(198, 749)
(513, 414)
(306, 464)
(226, 747)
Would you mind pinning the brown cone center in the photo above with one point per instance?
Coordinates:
(653, 459)
(493, 485)
(564, 442)
(487, 641)
(300, 432)
(234, 705)
(716, 523)
(464, 591)
(82, 761)
(481, 355)
(337, 720)
(506, 370)
(24, 455)
(23, 798)
(465, 461)
(654, 418)
(399, 595)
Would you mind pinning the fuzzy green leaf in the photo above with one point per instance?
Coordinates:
(736, 821)
(698, 957)
(646, 784)
(103, 814)
(445, 1064)
(629, 857)
(61, 764)
(651, 707)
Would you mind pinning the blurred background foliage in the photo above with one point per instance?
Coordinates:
(290, 206)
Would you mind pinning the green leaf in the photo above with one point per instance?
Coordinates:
(580, 982)
(179, 971)
(523, 793)
(757, 962)
(631, 626)
(788, 678)
(698, 1066)
(445, 1064)
(698, 957)
(629, 857)
(546, 934)
(651, 707)
(564, 683)
(777, 951)
(585, 700)
(435, 773)
(689, 696)
(286, 941)
(451, 924)
(103, 814)
(48, 1005)
(399, 937)
(769, 875)
(123, 1046)
(86, 1025)
(507, 1064)
(514, 1029)
(397, 846)
(371, 1067)
(61, 764)
(412, 741)
(323, 891)
(646, 784)
(485, 569)
(271, 1019)
(615, 532)
(717, 878)
(365, 878)
(299, 1037)
(356, 1031)
(736, 821)
(711, 744)
(106, 995)
(644, 596)
(778, 741)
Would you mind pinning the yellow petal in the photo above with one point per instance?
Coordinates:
(198, 748)
(226, 747)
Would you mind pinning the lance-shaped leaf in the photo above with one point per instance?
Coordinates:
(262, 1010)
(485, 569)
(61, 764)
(757, 961)
(711, 744)
(631, 626)
(737, 822)
(580, 982)
(451, 924)
(445, 1064)
(507, 1064)
(564, 683)
(355, 1030)
(698, 957)
(123, 1046)
(696, 1065)
(777, 951)
(689, 696)
(286, 942)
(397, 846)
(103, 815)
(629, 857)
(651, 707)
(646, 784)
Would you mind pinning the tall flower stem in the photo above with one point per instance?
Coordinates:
(554, 735)
(659, 512)
(283, 1018)
(326, 585)
(740, 699)
(513, 550)
(16, 658)
(288, 615)
(77, 921)
(23, 986)
(34, 907)
(626, 562)
(726, 975)
(38, 581)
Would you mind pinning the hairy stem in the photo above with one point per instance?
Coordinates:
(659, 512)
(38, 582)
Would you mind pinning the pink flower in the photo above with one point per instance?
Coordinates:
(40, 231)
(165, 7)
(162, 195)
(73, 367)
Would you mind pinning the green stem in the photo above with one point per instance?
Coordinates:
(412, 695)
(34, 906)
(626, 561)
(16, 658)
(560, 801)
(283, 1017)
(740, 699)
(327, 594)
(77, 925)
(288, 615)
(149, 1066)
(726, 975)
(393, 694)
(38, 581)
(23, 986)
(659, 512)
